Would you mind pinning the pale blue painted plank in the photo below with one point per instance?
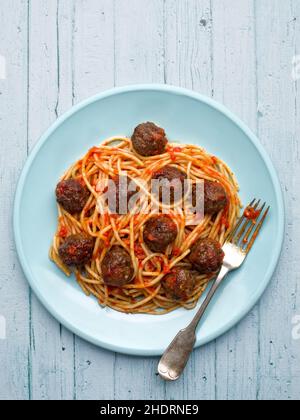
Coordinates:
(278, 97)
(139, 58)
(207, 46)
(14, 307)
(189, 63)
(93, 72)
(234, 69)
(50, 35)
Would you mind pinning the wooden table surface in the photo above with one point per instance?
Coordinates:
(59, 52)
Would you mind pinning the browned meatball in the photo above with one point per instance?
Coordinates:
(76, 250)
(215, 197)
(71, 195)
(149, 140)
(206, 256)
(179, 284)
(117, 268)
(120, 194)
(171, 183)
(159, 232)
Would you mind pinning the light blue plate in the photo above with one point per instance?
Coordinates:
(188, 117)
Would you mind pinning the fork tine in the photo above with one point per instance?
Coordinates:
(252, 226)
(242, 230)
(240, 221)
(256, 232)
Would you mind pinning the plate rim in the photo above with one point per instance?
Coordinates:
(180, 92)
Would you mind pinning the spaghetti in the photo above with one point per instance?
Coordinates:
(144, 294)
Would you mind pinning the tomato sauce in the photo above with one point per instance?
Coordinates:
(63, 232)
(251, 214)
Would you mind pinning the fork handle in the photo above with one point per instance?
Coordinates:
(176, 356)
(197, 318)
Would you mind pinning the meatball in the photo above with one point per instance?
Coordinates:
(179, 284)
(215, 197)
(117, 268)
(120, 193)
(159, 232)
(171, 183)
(206, 256)
(149, 140)
(77, 250)
(72, 195)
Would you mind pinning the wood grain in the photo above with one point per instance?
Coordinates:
(234, 67)
(93, 71)
(51, 346)
(14, 300)
(59, 52)
(278, 99)
(136, 46)
(189, 62)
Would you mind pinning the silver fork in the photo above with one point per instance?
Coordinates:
(236, 248)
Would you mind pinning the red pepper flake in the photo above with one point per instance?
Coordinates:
(105, 218)
(151, 237)
(139, 252)
(148, 171)
(251, 214)
(225, 222)
(224, 218)
(176, 252)
(166, 269)
(95, 150)
(172, 151)
(107, 239)
(72, 250)
(136, 218)
(63, 232)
